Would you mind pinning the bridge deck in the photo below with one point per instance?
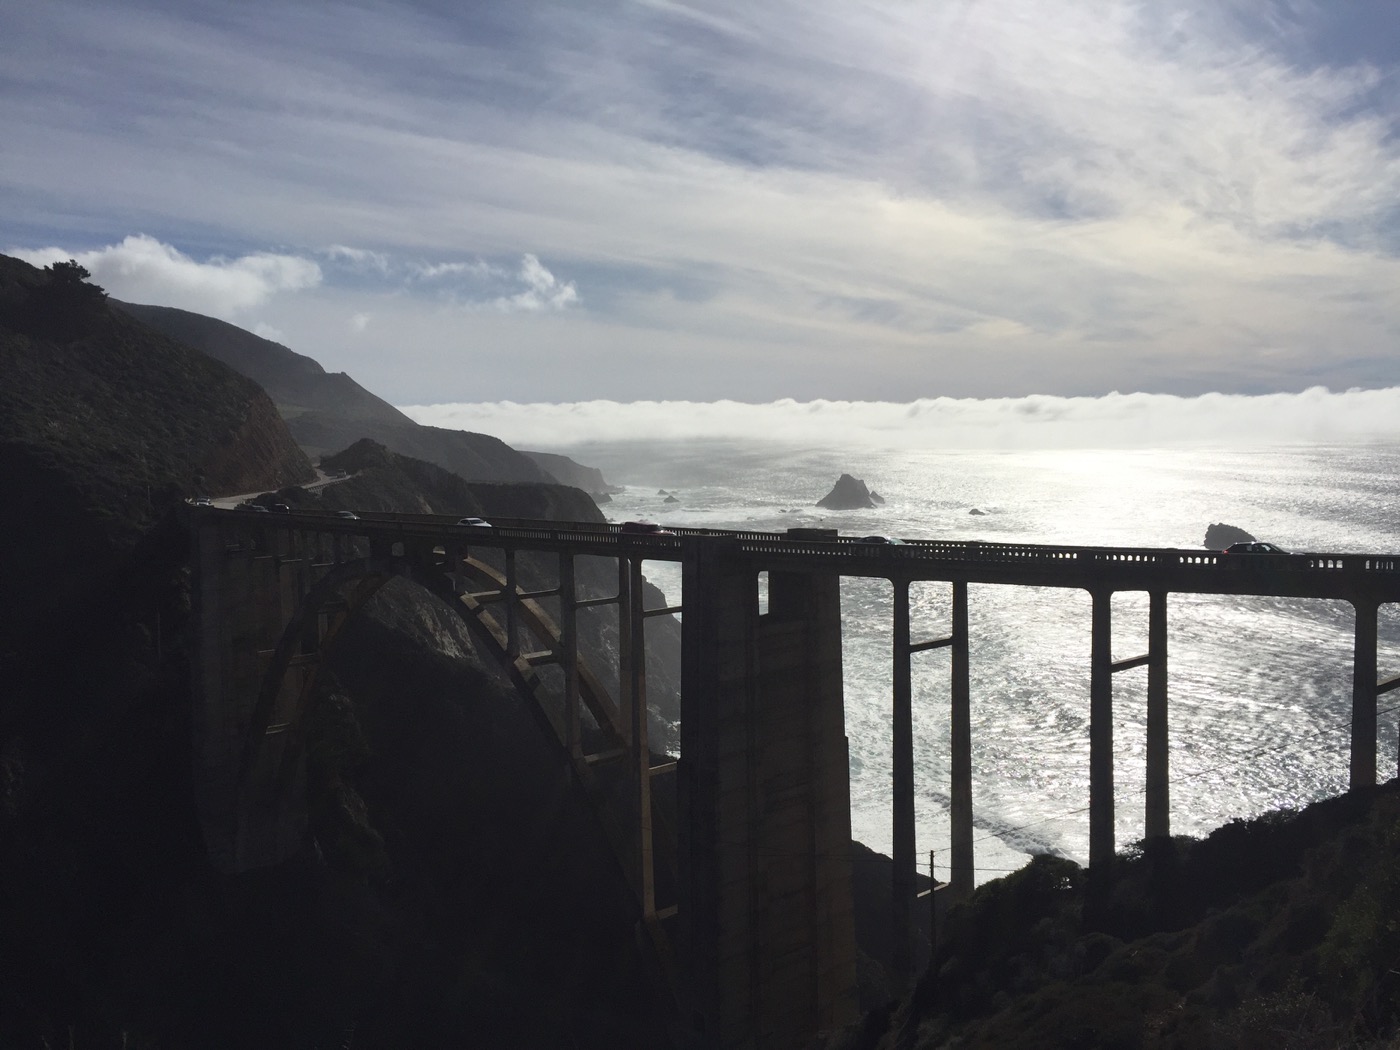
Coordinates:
(1347, 576)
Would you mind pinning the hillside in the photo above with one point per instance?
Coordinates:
(1276, 933)
(328, 411)
(103, 422)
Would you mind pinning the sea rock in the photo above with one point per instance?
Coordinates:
(848, 494)
(670, 499)
(876, 498)
(662, 492)
(1219, 536)
(978, 512)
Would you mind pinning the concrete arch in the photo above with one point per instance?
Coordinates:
(366, 576)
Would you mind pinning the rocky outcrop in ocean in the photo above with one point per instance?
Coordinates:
(1219, 536)
(848, 494)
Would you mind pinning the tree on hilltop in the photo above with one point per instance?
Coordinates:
(68, 303)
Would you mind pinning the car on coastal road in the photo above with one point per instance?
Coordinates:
(1254, 547)
(880, 539)
(479, 523)
(348, 515)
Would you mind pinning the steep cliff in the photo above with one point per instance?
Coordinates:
(329, 411)
(565, 471)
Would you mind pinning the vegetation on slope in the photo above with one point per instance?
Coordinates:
(1278, 932)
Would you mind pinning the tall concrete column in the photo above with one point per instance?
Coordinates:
(1363, 695)
(902, 744)
(512, 614)
(635, 672)
(1158, 818)
(568, 656)
(1101, 831)
(766, 938)
(960, 879)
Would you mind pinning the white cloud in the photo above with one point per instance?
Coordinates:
(142, 269)
(361, 258)
(543, 290)
(269, 332)
(868, 199)
(478, 268)
(359, 322)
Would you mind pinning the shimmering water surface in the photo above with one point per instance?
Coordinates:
(1260, 689)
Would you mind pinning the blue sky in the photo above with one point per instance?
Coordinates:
(831, 199)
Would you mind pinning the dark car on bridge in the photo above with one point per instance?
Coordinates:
(1254, 547)
(643, 528)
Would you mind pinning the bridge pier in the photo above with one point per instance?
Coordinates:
(903, 881)
(568, 654)
(902, 742)
(960, 880)
(1158, 819)
(1102, 668)
(767, 938)
(1101, 830)
(1363, 695)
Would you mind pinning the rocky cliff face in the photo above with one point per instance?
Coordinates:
(565, 471)
(1220, 535)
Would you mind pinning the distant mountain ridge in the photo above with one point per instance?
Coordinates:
(328, 411)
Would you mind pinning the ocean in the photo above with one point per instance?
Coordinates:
(1260, 689)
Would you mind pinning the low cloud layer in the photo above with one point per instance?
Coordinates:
(1315, 416)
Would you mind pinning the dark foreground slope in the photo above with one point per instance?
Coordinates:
(455, 891)
(1279, 932)
(328, 411)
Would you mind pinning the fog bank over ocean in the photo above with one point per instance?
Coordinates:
(1313, 416)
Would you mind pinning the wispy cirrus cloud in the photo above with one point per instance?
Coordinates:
(966, 198)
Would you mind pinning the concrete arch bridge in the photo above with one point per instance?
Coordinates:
(746, 902)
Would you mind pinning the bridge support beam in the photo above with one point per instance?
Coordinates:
(1157, 823)
(960, 880)
(1363, 695)
(766, 943)
(633, 672)
(568, 655)
(902, 743)
(1101, 831)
